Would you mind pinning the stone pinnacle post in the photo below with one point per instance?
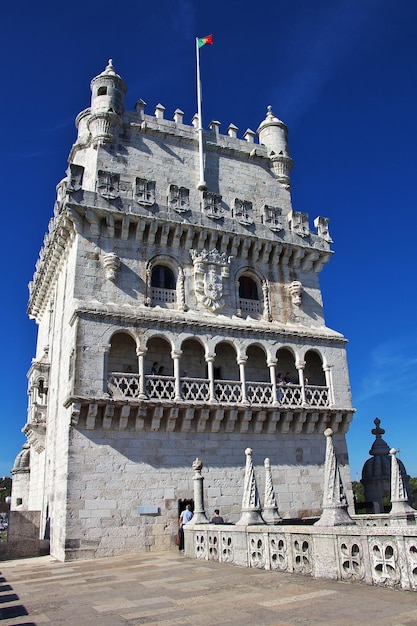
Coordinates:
(199, 516)
(251, 506)
(270, 511)
(334, 500)
(399, 497)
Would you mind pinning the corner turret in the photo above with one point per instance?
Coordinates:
(108, 91)
(273, 133)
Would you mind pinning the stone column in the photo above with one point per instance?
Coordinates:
(181, 291)
(267, 308)
(270, 511)
(251, 505)
(105, 349)
(210, 370)
(329, 383)
(175, 355)
(273, 376)
(401, 508)
(141, 366)
(241, 362)
(300, 367)
(199, 516)
(334, 500)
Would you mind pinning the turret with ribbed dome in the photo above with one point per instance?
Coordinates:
(108, 91)
(273, 134)
(376, 472)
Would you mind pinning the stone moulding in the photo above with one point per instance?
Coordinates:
(140, 317)
(140, 415)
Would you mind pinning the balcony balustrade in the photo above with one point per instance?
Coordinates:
(163, 295)
(197, 391)
(122, 385)
(250, 306)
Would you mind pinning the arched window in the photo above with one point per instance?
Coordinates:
(122, 356)
(248, 289)
(102, 91)
(41, 391)
(162, 284)
(249, 303)
(162, 277)
(313, 371)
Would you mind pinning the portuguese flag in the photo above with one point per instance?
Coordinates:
(202, 41)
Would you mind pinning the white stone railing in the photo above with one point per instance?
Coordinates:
(259, 393)
(382, 555)
(290, 395)
(317, 396)
(160, 387)
(228, 391)
(195, 389)
(250, 306)
(163, 295)
(126, 385)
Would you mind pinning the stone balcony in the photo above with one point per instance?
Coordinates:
(186, 404)
(229, 392)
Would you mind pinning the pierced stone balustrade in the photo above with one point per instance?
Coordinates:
(228, 391)
(197, 391)
(290, 395)
(163, 295)
(160, 387)
(123, 385)
(317, 396)
(259, 393)
(250, 306)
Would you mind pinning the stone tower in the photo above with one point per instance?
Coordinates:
(175, 322)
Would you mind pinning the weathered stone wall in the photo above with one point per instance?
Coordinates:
(23, 534)
(112, 473)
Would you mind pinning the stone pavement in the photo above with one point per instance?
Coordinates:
(166, 589)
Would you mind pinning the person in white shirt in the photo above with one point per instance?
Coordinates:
(185, 517)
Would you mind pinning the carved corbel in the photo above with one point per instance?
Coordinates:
(296, 289)
(111, 263)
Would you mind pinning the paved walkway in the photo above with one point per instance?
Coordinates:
(166, 589)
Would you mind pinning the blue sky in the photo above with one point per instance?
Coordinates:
(340, 73)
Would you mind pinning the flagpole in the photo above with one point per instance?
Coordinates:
(202, 183)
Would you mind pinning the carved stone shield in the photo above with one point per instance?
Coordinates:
(210, 271)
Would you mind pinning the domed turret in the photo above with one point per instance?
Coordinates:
(21, 479)
(376, 472)
(22, 461)
(273, 134)
(108, 91)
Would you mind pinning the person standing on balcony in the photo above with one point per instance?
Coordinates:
(153, 368)
(280, 383)
(287, 379)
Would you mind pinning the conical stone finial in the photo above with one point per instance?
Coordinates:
(399, 497)
(334, 499)
(251, 505)
(270, 511)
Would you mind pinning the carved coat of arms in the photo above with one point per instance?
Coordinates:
(211, 269)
